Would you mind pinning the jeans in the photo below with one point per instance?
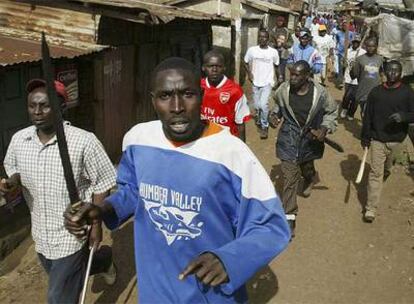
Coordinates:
(292, 173)
(261, 103)
(382, 156)
(67, 275)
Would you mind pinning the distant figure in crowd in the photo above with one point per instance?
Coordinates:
(325, 45)
(340, 38)
(368, 70)
(261, 63)
(282, 41)
(349, 101)
(223, 100)
(33, 163)
(295, 36)
(206, 216)
(308, 113)
(314, 28)
(305, 51)
(390, 108)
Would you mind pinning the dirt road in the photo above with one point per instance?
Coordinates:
(334, 258)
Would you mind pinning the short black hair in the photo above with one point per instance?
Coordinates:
(372, 39)
(263, 30)
(214, 53)
(304, 65)
(174, 63)
(396, 62)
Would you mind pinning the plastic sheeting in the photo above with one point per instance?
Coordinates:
(396, 39)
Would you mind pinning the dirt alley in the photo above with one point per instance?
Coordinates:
(334, 258)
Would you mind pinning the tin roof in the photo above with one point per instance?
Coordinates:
(131, 10)
(18, 46)
(267, 6)
(257, 4)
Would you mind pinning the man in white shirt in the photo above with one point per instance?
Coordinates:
(349, 102)
(314, 28)
(261, 62)
(325, 46)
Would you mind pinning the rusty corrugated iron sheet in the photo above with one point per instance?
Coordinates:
(19, 46)
(61, 23)
(158, 10)
(131, 10)
(267, 6)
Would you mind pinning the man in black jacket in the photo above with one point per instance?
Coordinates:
(390, 108)
(308, 113)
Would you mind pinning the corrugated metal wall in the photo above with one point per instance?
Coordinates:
(60, 23)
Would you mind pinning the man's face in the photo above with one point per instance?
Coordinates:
(177, 99)
(280, 40)
(393, 73)
(322, 33)
(39, 109)
(304, 40)
(355, 44)
(315, 21)
(343, 26)
(280, 22)
(263, 39)
(214, 69)
(371, 47)
(298, 77)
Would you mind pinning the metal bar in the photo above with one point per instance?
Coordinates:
(88, 271)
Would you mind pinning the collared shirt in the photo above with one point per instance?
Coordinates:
(44, 185)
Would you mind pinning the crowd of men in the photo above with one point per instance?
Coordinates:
(200, 200)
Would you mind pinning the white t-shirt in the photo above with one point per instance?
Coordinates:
(352, 54)
(314, 29)
(323, 45)
(262, 63)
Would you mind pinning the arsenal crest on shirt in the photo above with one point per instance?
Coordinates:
(224, 97)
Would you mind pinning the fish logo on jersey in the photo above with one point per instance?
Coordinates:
(224, 97)
(173, 223)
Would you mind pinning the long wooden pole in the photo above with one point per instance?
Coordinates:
(236, 37)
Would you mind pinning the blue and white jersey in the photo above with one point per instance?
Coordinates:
(210, 195)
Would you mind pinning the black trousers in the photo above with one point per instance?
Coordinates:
(349, 101)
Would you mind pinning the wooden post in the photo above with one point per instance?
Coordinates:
(236, 37)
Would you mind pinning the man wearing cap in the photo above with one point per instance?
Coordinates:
(325, 46)
(33, 163)
(349, 102)
(305, 51)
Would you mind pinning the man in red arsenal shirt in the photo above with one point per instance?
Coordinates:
(224, 101)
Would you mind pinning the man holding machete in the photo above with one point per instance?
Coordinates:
(33, 162)
(389, 111)
(309, 114)
(206, 216)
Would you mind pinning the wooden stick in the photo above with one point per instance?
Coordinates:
(362, 166)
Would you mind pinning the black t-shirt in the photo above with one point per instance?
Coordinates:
(301, 105)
